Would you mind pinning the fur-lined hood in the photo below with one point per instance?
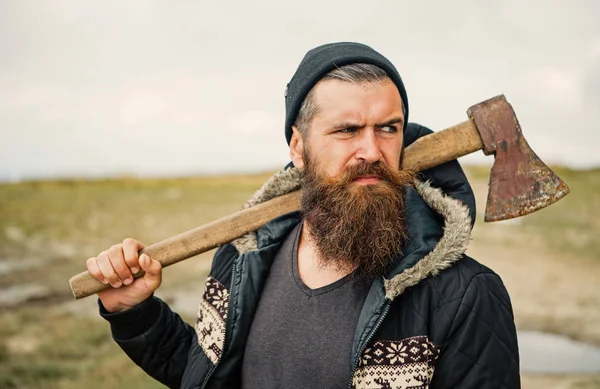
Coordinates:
(434, 243)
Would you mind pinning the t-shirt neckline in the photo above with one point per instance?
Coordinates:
(303, 287)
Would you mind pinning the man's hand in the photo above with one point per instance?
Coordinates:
(116, 266)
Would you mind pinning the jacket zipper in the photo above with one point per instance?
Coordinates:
(226, 338)
(369, 338)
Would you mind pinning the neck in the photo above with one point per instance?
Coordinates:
(313, 270)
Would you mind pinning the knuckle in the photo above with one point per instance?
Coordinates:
(102, 258)
(115, 253)
(115, 248)
(129, 241)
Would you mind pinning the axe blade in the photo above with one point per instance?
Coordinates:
(520, 182)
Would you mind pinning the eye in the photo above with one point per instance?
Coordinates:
(348, 130)
(389, 129)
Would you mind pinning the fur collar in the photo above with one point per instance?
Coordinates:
(449, 249)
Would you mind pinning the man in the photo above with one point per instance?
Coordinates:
(367, 287)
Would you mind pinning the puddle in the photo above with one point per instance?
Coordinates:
(548, 353)
(18, 294)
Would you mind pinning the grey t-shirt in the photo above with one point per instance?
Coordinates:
(301, 337)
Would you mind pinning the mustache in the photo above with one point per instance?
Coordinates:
(376, 169)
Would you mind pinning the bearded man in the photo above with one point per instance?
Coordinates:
(367, 287)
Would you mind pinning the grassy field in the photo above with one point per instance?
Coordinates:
(571, 225)
(51, 341)
(48, 229)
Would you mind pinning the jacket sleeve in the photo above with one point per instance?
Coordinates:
(481, 348)
(154, 337)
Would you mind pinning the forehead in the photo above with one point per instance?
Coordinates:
(365, 102)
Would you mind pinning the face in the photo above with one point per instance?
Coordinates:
(353, 189)
(355, 123)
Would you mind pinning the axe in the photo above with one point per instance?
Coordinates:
(520, 183)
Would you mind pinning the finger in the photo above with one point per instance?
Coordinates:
(94, 270)
(117, 260)
(131, 247)
(152, 270)
(107, 270)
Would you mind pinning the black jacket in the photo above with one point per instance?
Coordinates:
(439, 319)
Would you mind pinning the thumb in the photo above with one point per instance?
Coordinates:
(152, 270)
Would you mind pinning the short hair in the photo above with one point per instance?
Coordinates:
(355, 73)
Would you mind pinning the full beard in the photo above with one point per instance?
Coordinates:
(356, 227)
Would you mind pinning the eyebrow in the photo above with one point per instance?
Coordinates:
(390, 122)
(398, 120)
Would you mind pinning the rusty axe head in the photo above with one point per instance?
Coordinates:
(520, 183)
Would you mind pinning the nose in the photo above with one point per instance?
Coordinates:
(368, 147)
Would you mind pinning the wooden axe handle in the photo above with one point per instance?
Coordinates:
(424, 153)
(443, 146)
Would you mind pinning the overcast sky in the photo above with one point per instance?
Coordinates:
(102, 88)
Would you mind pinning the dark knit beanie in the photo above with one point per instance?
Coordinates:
(323, 59)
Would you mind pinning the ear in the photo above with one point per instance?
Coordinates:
(297, 148)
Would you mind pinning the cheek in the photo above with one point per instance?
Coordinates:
(391, 154)
(331, 159)
(340, 158)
